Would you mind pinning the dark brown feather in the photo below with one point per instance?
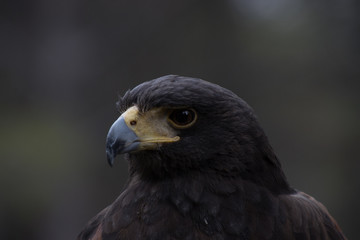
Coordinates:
(221, 181)
(256, 214)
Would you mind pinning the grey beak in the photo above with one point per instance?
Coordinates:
(120, 139)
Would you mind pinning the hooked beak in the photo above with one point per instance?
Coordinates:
(134, 131)
(120, 139)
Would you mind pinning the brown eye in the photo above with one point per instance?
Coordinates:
(182, 118)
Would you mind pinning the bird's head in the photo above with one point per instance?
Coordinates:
(174, 125)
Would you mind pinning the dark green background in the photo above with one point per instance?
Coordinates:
(63, 64)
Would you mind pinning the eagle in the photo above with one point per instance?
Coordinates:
(200, 167)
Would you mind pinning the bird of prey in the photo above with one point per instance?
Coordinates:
(200, 167)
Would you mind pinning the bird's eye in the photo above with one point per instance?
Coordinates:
(182, 118)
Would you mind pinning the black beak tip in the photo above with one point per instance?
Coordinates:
(111, 151)
(110, 157)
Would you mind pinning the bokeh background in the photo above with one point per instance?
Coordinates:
(64, 63)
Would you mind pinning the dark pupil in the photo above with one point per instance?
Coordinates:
(182, 117)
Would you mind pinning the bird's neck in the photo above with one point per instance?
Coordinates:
(192, 184)
(263, 169)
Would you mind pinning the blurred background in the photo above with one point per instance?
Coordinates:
(64, 63)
